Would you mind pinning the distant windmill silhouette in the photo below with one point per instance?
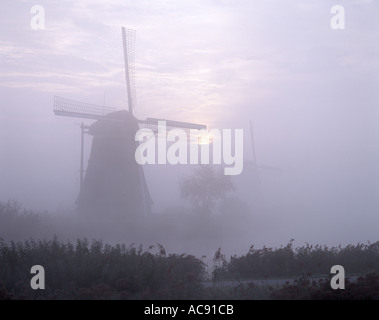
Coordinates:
(250, 179)
(114, 184)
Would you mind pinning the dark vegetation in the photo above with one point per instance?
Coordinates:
(306, 261)
(364, 288)
(204, 186)
(96, 271)
(92, 270)
(85, 269)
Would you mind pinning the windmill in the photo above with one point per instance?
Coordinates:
(254, 161)
(250, 179)
(114, 184)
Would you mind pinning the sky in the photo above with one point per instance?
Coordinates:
(311, 91)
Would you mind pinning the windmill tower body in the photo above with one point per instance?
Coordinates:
(113, 185)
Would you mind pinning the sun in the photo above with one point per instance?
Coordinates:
(204, 138)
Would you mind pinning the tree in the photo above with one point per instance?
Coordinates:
(204, 187)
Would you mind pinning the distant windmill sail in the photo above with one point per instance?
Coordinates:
(252, 141)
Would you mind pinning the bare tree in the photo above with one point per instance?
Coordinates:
(204, 187)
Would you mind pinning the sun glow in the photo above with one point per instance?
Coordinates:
(204, 138)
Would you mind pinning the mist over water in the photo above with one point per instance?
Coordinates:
(312, 93)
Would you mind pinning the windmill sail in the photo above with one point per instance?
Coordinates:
(71, 108)
(128, 41)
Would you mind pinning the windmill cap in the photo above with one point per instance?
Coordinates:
(115, 124)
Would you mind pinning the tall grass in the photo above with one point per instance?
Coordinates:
(95, 270)
(304, 261)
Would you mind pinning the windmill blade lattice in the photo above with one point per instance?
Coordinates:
(129, 44)
(72, 108)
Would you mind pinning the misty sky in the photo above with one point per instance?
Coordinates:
(311, 91)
